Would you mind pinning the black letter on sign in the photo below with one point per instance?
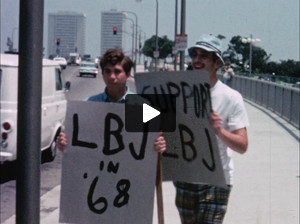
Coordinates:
(75, 141)
(91, 204)
(213, 166)
(112, 168)
(143, 146)
(171, 86)
(185, 95)
(209, 96)
(206, 99)
(189, 143)
(116, 133)
(197, 101)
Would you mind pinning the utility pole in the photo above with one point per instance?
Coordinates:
(175, 55)
(29, 112)
(156, 33)
(182, 31)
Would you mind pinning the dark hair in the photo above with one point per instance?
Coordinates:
(228, 63)
(116, 56)
(215, 57)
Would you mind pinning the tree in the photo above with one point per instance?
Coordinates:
(164, 47)
(221, 37)
(239, 53)
(271, 67)
(288, 68)
(236, 47)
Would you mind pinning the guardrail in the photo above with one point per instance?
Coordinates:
(282, 100)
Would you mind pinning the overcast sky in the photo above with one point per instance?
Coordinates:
(275, 22)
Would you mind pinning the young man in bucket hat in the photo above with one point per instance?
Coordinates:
(204, 203)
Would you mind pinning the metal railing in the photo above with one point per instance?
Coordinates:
(280, 99)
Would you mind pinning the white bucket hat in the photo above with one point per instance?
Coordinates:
(209, 43)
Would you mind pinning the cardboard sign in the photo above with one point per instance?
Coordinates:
(108, 174)
(192, 153)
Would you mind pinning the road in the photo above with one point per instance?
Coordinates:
(81, 87)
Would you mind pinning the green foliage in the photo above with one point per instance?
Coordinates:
(239, 52)
(221, 37)
(289, 68)
(164, 46)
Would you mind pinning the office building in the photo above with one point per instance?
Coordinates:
(112, 30)
(69, 29)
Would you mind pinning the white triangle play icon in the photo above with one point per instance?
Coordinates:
(149, 113)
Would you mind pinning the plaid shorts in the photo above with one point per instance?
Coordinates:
(197, 203)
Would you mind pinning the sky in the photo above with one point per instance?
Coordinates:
(275, 22)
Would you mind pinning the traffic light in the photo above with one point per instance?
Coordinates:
(115, 29)
(140, 45)
(57, 42)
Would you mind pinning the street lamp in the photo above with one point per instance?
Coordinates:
(132, 50)
(140, 34)
(156, 42)
(175, 33)
(136, 31)
(250, 41)
(156, 33)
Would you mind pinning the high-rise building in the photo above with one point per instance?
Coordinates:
(112, 30)
(66, 33)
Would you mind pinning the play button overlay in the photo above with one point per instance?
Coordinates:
(150, 112)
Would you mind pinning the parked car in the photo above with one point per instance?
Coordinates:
(88, 68)
(53, 106)
(61, 61)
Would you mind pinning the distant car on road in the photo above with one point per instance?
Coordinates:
(61, 61)
(74, 58)
(88, 68)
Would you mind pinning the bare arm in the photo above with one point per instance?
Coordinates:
(236, 140)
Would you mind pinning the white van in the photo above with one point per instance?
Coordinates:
(74, 58)
(53, 106)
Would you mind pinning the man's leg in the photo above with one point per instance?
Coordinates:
(213, 204)
(186, 202)
(201, 204)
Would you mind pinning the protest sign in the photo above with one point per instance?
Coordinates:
(108, 174)
(192, 153)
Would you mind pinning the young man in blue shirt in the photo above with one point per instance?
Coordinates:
(116, 70)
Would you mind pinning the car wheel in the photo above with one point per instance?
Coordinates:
(50, 153)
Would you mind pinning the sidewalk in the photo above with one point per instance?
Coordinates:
(266, 187)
